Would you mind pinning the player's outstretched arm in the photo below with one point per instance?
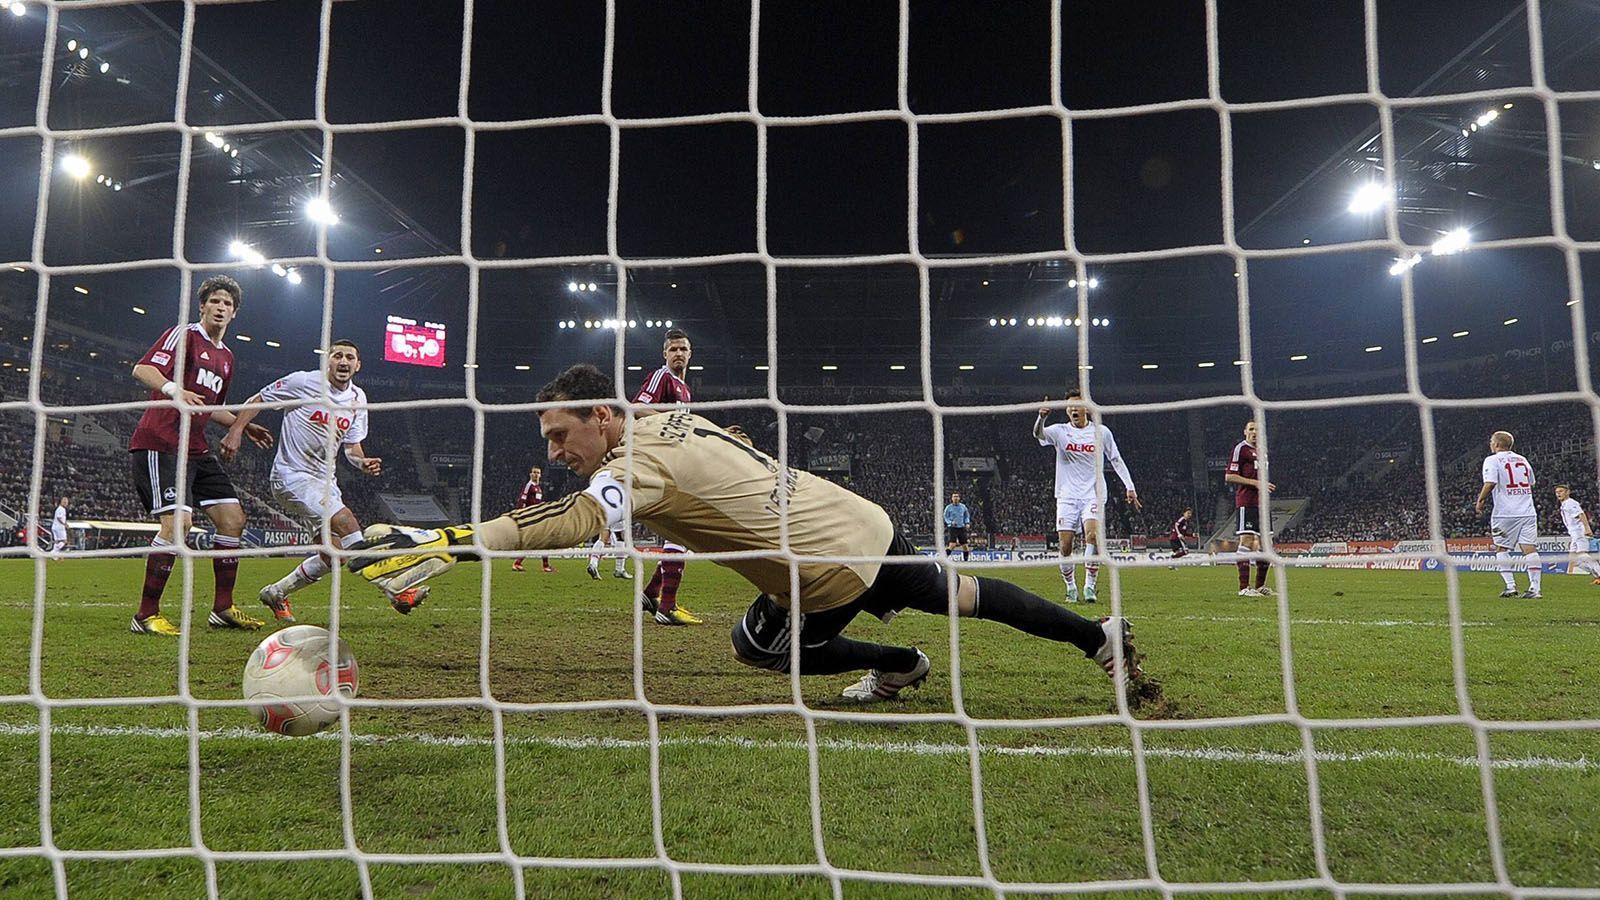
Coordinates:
(397, 558)
(356, 456)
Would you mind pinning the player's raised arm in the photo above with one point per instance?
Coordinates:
(1038, 424)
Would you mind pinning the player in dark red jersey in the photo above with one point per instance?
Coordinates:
(207, 372)
(1246, 500)
(1181, 530)
(532, 495)
(666, 387)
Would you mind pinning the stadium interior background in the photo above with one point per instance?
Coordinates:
(1494, 321)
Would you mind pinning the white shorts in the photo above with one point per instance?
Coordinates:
(309, 498)
(1511, 532)
(1072, 513)
(58, 535)
(1579, 546)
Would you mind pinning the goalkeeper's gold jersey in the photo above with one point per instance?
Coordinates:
(697, 485)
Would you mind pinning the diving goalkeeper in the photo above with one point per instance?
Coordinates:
(706, 488)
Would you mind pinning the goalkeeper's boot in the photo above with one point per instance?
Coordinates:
(233, 617)
(1088, 593)
(1117, 629)
(1072, 592)
(407, 600)
(677, 616)
(594, 569)
(277, 601)
(1249, 592)
(1264, 591)
(1510, 592)
(154, 625)
(877, 685)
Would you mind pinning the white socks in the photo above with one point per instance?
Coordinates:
(312, 569)
(1535, 569)
(595, 551)
(1091, 570)
(1504, 558)
(1069, 574)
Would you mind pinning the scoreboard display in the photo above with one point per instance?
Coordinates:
(412, 343)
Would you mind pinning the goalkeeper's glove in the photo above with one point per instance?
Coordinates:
(396, 573)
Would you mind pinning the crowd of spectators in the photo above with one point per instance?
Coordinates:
(1360, 468)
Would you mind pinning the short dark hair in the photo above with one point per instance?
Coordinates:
(674, 335)
(222, 283)
(1074, 394)
(1188, 509)
(1563, 487)
(580, 382)
(345, 342)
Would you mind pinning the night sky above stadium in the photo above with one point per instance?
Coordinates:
(1139, 182)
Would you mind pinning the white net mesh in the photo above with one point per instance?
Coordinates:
(974, 727)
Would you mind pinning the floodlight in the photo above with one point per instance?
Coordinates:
(1370, 197)
(318, 209)
(75, 165)
(1453, 242)
(105, 67)
(572, 287)
(294, 276)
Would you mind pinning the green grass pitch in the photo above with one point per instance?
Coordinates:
(1399, 804)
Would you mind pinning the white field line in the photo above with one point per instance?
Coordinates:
(909, 748)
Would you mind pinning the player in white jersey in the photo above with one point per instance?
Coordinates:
(301, 482)
(1579, 533)
(1514, 523)
(58, 526)
(1080, 446)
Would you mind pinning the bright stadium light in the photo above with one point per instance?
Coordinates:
(1094, 283)
(897, 367)
(1402, 266)
(19, 10)
(244, 337)
(1511, 321)
(279, 270)
(1030, 321)
(1370, 197)
(761, 368)
(993, 322)
(140, 311)
(318, 209)
(75, 165)
(1375, 348)
(1013, 321)
(830, 368)
(72, 45)
(1029, 367)
(294, 276)
(965, 367)
(1204, 365)
(668, 323)
(1460, 334)
(1429, 340)
(1299, 357)
(592, 286)
(1488, 117)
(105, 67)
(1453, 242)
(572, 287)
(1072, 282)
(83, 52)
(1150, 366)
(81, 289)
(522, 368)
(273, 344)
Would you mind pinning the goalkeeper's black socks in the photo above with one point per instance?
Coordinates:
(845, 655)
(1002, 601)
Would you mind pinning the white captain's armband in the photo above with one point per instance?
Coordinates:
(612, 496)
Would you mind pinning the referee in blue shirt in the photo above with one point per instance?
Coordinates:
(956, 519)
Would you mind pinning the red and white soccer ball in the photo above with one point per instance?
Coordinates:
(288, 672)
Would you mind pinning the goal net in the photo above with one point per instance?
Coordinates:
(1157, 235)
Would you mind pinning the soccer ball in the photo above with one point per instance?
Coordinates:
(288, 671)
